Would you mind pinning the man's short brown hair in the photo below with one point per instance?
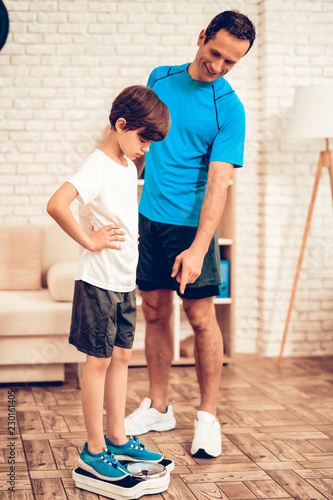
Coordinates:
(141, 108)
(235, 23)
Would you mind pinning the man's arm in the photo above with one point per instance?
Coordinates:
(140, 164)
(188, 264)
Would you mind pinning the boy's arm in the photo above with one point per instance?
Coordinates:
(188, 264)
(58, 208)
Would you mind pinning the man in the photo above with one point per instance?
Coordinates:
(186, 181)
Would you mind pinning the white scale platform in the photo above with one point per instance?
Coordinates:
(147, 479)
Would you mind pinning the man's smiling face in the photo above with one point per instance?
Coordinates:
(218, 56)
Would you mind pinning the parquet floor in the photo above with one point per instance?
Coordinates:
(277, 429)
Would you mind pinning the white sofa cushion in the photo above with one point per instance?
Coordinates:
(57, 246)
(60, 280)
(32, 313)
(21, 257)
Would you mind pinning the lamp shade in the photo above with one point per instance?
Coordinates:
(312, 113)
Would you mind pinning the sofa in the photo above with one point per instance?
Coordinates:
(37, 267)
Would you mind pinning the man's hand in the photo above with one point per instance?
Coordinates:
(187, 267)
(104, 238)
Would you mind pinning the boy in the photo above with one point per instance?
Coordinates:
(104, 314)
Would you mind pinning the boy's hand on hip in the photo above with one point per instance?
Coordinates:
(106, 238)
(187, 268)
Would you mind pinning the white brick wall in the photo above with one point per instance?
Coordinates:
(296, 50)
(65, 61)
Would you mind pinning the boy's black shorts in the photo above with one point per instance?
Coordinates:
(159, 245)
(102, 319)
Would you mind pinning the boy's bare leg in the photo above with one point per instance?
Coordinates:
(157, 309)
(208, 349)
(92, 397)
(115, 395)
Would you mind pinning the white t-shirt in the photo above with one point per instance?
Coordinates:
(108, 195)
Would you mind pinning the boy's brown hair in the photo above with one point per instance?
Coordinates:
(141, 108)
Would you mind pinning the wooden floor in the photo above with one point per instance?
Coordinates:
(277, 427)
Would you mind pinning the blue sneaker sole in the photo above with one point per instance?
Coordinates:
(129, 458)
(83, 465)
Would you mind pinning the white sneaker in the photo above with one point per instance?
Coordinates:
(146, 419)
(207, 435)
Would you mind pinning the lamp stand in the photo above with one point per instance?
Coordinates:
(325, 160)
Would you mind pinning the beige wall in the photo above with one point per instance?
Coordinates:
(65, 61)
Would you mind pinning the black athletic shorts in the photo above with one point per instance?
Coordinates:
(102, 319)
(159, 245)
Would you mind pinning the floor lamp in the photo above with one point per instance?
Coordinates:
(312, 118)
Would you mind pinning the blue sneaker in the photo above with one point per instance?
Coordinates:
(102, 465)
(133, 451)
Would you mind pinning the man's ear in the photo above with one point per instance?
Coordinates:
(202, 38)
(121, 125)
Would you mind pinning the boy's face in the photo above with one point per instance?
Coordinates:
(218, 56)
(132, 144)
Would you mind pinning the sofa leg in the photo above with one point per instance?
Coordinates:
(79, 367)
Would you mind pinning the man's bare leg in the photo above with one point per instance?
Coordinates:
(208, 350)
(157, 309)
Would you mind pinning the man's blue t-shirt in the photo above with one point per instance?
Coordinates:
(207, 124)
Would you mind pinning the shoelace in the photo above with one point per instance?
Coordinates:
(111, 460)
(136, 443)
(138, 411)
(204, 428)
